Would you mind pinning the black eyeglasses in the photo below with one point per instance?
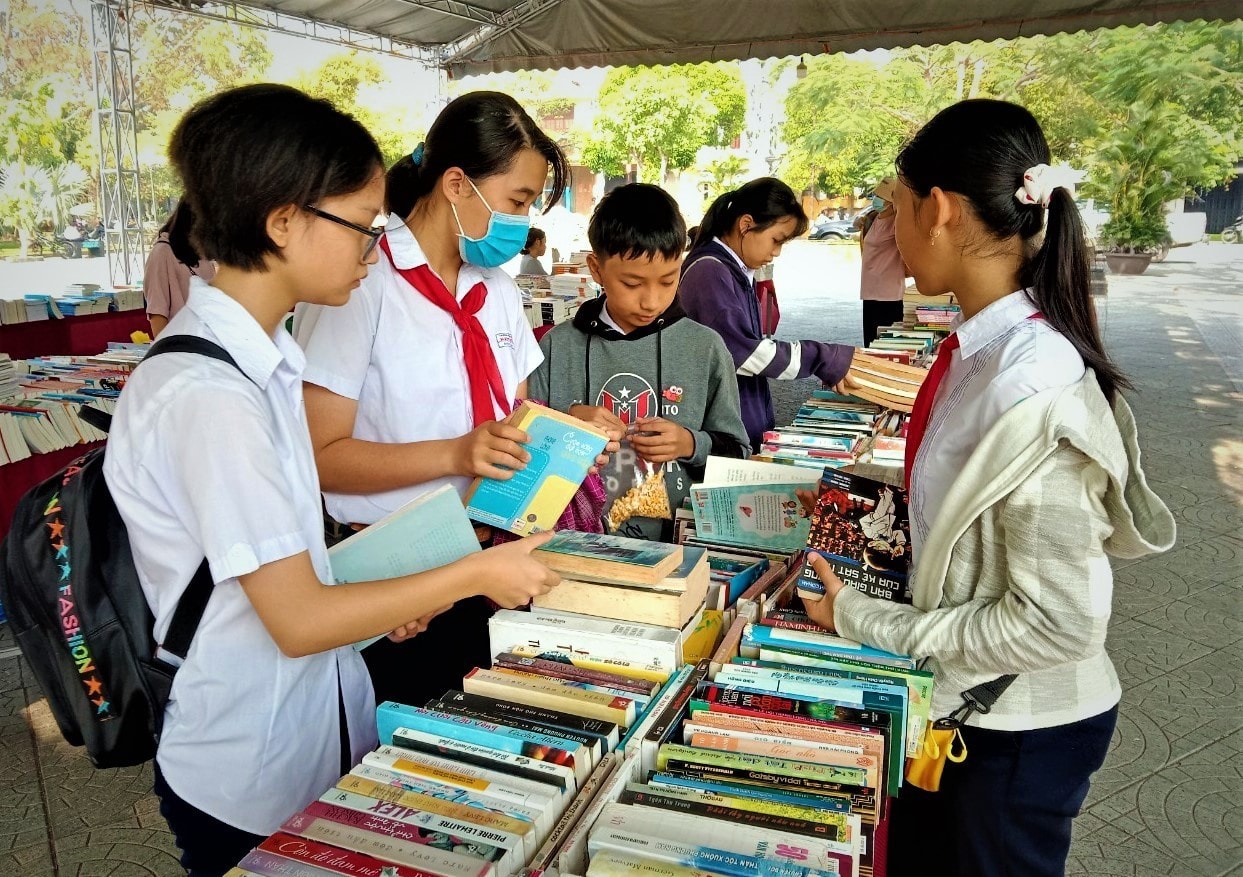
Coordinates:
(374, 232)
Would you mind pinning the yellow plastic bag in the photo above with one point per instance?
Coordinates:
(924, 771)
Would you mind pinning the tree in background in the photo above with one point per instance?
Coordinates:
(657, 119)
(1168, 98)
(344, 80)
(724, 174)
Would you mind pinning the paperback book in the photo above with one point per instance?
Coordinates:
(862, 528)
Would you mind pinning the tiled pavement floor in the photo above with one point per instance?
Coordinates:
(1167, 800)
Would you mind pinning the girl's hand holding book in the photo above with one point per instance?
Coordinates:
(821, 611)
(493, 450)
(510, 576)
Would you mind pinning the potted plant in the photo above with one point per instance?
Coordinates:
(1131, 238)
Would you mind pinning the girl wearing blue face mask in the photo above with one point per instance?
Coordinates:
(406, 384)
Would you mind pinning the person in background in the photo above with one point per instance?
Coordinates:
(537, 245)
(211, 460)
(408, 383)
(1023, 467)
(631, 362)
(882, 278)
(743, 231)
(173, 260)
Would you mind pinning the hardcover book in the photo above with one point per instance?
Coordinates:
(562, 450)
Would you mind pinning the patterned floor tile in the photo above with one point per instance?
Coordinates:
(1209, 617)
(1141, 652)
(32, 861)
(22, 816)
(80, 797)
(1194, 704)
(1190, 810)
(120, 850)
(1110, 852)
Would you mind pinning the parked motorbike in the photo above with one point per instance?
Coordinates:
(1233, 233)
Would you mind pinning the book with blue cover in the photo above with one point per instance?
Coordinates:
(430, 531)
(562, 450)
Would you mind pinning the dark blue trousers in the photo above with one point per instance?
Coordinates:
(208, 846)
(1004, 812)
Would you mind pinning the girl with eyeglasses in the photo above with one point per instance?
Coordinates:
(211, 458)
(407, 384)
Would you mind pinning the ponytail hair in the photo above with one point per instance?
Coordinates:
(980, 150)
(178, 227)
(766, 200)
(482, 133)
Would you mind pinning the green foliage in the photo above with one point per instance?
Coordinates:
(1133, 232)
(25, 192)
(342, 80)
(658, 118)
(1164, 102)
(725, 173)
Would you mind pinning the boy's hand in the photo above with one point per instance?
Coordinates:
(600, 418)
(493, 450)
(660, 441)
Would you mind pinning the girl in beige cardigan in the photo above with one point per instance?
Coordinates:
(1026, 479)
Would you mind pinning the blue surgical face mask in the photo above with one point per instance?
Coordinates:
(504, 239)
(878, 203)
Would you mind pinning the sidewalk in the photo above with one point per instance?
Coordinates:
(1168, 799)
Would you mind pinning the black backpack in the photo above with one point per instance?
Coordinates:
(78, 612)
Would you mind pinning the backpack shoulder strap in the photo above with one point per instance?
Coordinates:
(189, 612)
(699, 259)
(193, 602)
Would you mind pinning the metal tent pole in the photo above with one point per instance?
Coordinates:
(116, 124)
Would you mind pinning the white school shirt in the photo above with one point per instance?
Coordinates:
(400, 357)
(1003, 357)
(204, 460)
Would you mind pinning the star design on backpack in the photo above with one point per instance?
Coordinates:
(62, 550)
(64, 572)
(101, 706)
(57, 528)
(94, 686)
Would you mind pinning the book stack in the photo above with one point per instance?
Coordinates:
(620, 591)
(578, 285)
(12, 311)
(913, 300)
(551, 310)
(883, 382)
(127, 298)
(936, 317)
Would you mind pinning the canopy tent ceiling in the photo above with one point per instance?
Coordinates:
(483, 36)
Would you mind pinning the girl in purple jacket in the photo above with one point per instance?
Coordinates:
(743, 231)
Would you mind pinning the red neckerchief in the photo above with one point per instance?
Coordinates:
(487, 390)
(921, 411)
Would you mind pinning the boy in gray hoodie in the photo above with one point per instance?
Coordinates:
(632, 363)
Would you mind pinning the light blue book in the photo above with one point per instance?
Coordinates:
(756, 793)
(764, 516)
(430, 531)
(758, 636)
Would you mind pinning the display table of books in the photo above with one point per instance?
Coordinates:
(71, 329)
(599, 747)
(668, 710)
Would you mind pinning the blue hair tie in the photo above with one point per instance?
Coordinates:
(417, 155)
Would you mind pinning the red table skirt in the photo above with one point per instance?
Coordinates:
(72, 336)
(17, 478)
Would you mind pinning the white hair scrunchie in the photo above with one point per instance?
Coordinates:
(1040, 181)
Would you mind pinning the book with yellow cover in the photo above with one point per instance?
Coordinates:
(562, 449)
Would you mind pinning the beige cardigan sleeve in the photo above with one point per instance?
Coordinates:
(1029, 586)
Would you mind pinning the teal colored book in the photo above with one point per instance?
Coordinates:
(597, 557)
(562, 450)
(430, 531)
